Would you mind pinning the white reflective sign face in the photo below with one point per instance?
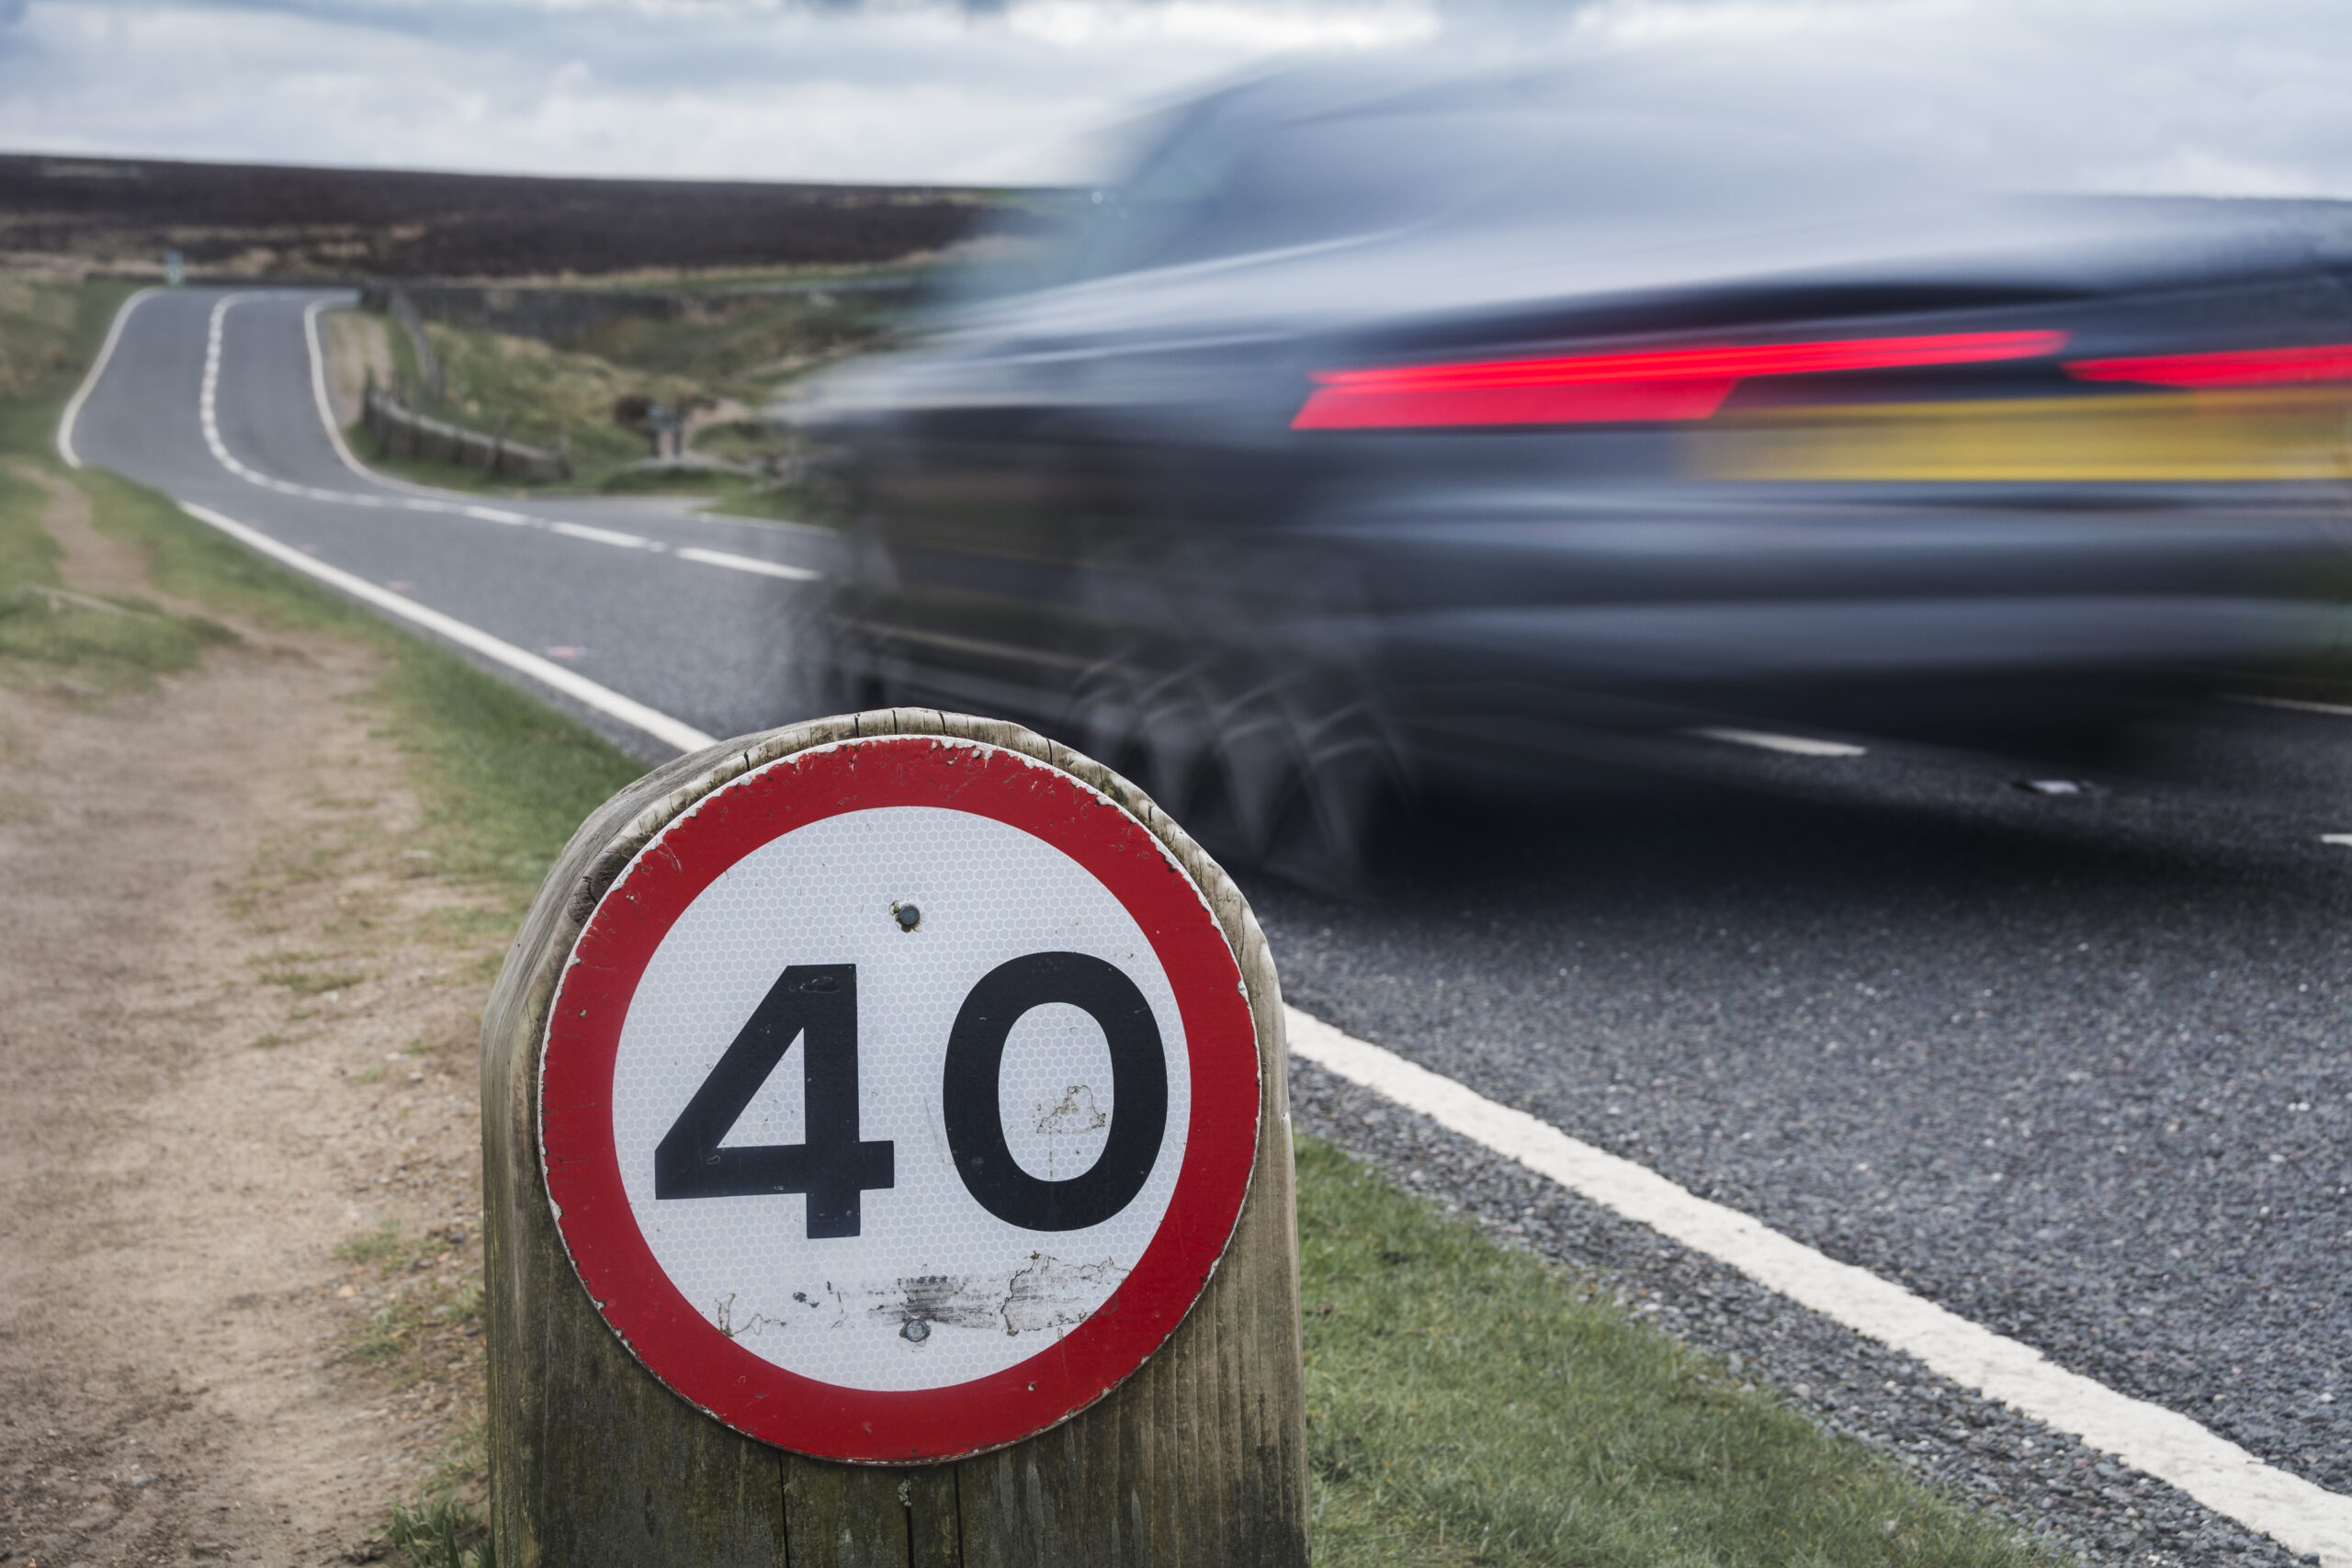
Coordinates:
(894, 1275)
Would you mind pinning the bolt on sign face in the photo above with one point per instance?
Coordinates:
(898, 1099)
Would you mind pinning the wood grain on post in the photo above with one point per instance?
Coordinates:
(1199, 1458)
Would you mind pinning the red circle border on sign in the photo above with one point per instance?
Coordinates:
(654, 1320)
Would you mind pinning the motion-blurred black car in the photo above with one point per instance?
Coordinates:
(1376, 430)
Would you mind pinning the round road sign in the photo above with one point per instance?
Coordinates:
(898, 1099)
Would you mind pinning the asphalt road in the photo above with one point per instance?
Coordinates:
(2073, 1066)
(709, 645)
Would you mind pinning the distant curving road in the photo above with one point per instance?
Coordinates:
(600, 580)
(2074, 1066)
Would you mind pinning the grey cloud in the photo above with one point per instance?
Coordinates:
(2108, 94)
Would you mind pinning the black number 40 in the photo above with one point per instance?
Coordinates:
(834, 1167)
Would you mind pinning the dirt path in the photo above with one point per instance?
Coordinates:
(236, 1032)
(87, 559)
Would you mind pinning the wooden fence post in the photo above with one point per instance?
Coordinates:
(1197, 1458)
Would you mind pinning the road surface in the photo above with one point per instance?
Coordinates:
(2071, 1064)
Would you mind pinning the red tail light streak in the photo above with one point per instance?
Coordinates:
(1650, 384)
(2229, 367)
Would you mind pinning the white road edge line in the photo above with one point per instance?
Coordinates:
(574, 530)
(208, 414)
(2297, 704)
(1790, 745)
(603, 699)
(343, 448)
(2341, 840)
(376, 475)
(2222, 1476)
(90, 381)
(2160, 1442)
(745, 563)
(319, 388)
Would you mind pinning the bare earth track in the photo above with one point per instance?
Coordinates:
(190, 1367)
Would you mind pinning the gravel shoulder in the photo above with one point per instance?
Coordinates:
(235, 1033)
(2074, 1502)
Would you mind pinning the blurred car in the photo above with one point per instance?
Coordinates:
(1382, 428)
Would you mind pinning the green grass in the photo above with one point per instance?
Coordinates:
(733, 280)
(749, 347)
(509, 778)
(1467, 1405)
(374, 1245)
(93, 647)
(740, 441)
(505, 779)
(744, 347)
(548, 393)
(773, 503)
(445, 1533)
(37, 333)
(435, 472)
(811, 497)
(421, 1304)
(50, 637)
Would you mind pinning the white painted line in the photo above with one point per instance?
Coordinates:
(2160, 1442)
(90, 379)
(2163, 1443)
(746, 563)
(319, 388)
(414, 496)
(419, 498)
(207, 399)
(1790, 745)
(2344, 840)
(2059, 787)
(2295, 704)
(342, 449)
(600, 536)
(603, 699)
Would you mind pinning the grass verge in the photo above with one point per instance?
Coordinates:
(551, 397)
(1467, 1405)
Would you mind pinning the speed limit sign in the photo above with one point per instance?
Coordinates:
(898, 1099)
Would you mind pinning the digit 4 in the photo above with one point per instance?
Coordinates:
(835, 1167)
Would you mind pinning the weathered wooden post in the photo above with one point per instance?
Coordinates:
(887, 1162)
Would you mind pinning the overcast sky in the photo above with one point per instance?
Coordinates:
(2226, 96)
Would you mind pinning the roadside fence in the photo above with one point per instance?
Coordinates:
(400, 430)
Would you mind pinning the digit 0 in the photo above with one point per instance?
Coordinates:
(974, 1111)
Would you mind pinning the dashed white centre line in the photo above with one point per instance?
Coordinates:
(415, 499)
(600, 536)
(2344, 839)
(746, 563)
(1789, 745)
